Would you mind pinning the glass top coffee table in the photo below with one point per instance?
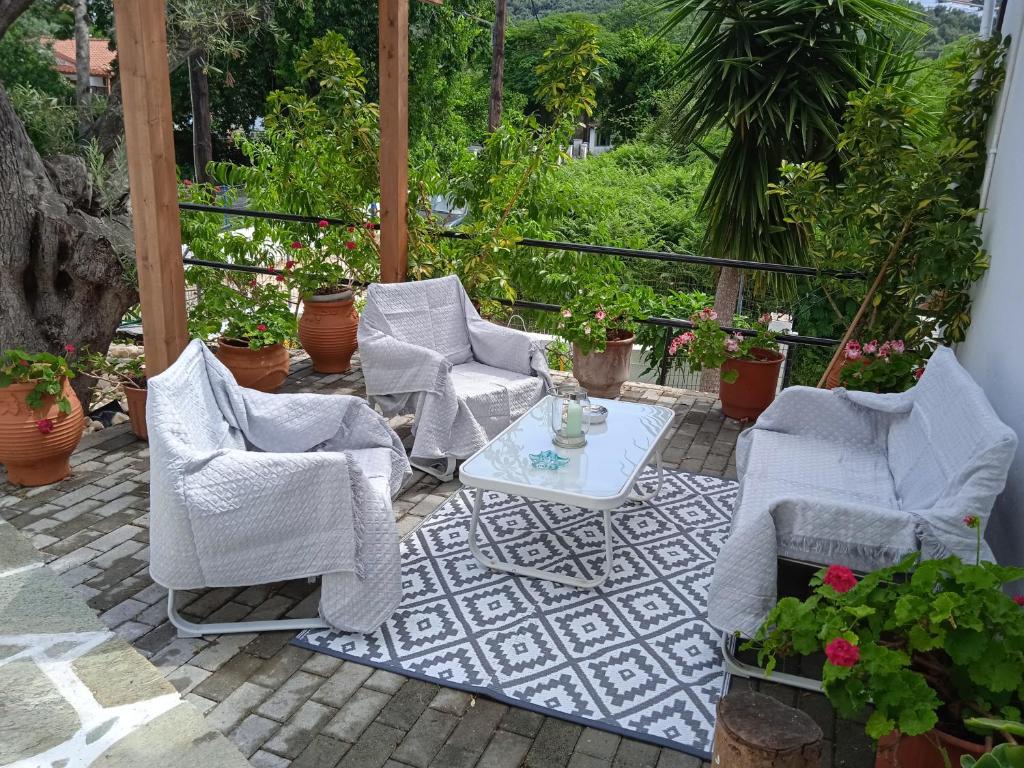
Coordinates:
(601, 476)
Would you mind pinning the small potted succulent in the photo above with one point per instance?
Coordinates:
(878, 366)
(749, 360)
(323, 268)
(928, 645)
(600, 324)
(127, 376)
(41, 419)
(250, 319)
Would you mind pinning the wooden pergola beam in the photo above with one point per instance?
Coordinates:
(394, 139)
(146, 93)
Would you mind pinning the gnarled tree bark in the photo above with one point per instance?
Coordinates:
(63, 275)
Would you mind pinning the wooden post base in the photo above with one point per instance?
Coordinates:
(756, 731)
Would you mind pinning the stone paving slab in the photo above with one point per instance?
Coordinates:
(285, 706)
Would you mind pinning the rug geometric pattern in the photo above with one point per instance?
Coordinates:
(635, 656)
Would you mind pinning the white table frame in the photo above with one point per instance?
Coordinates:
(605, 506)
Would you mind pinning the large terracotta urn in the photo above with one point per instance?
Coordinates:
(603, 373)
(135, 397)
(924, 751)
(327, 331)
(755, 386)
(36, 443)
(264, 369)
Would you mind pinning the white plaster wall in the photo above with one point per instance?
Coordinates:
(994, 349)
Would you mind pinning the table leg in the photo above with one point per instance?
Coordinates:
(657, 489)
(537, 573)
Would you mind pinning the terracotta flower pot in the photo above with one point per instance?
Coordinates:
(327, 330)
(895, 751)
(264, 369)
(834, 371)
(603, 373)
(31, 456)
(136, 399)
(747, 397)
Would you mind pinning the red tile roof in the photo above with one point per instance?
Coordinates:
(101, 58)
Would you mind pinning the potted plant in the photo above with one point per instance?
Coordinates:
(874, 366)
(749, 360)
(127, 375)
(927, 644)
(600, 325)
(323, 268)
(41, 419)
(250, 319)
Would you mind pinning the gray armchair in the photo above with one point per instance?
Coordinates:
(425, 350)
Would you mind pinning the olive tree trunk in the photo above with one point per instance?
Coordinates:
(64, 267)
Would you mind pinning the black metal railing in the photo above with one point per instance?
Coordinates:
(671, 325)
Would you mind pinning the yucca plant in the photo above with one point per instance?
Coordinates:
(776, 74)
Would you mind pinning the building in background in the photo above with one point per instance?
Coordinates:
(101, 61)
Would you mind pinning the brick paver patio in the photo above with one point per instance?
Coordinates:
(283, 705)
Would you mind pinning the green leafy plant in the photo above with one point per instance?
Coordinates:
(1002, 756)
(656, 340)
(887, 366)
(46, 370)
(599, 313)
(317, 155)
(925, 643)
(708, 345)
(503, 186)
(240, 308)
(120, 371)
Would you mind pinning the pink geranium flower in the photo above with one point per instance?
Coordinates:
(842, 652)
(897, 346)
(1019, 600)
(69, 348)
(600, 314)
(885, 349)
(708, 314)
(852, 350)
(871, 347)
(679, 342)
(323, 224)
(972, 521)
(261, 327)
(840, 578)
(731, 345)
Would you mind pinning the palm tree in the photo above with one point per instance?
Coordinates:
(775, 74)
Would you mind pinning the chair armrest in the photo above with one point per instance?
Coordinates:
(500, 346)
(395, 367)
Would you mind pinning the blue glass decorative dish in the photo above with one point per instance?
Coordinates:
(548, 460)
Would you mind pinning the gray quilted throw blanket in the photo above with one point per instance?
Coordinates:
(859, 479)
(251, 488)
(425, 350)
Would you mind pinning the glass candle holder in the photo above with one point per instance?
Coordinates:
(569, 420)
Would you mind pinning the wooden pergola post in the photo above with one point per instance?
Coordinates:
(146, 93)
(394, 139)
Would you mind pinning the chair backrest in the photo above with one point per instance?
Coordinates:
(185, 426)
(951, 444)
(427, 313)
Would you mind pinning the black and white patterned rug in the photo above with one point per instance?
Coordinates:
(635, 656)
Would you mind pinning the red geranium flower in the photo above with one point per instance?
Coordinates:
(369, 225)
(840, 578)
(323, 224)
(45, 426)
(26, 363)
(69, 348)
(254, 282)
(289, 264)
(972, 521)
(296, 245)
(842, 652)
(350, 244)
(1019, 600)
(280, 278)
(261, 327)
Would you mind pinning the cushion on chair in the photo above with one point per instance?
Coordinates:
(494, 396)
(820, 469)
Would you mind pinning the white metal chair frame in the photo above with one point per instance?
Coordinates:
(188, 628)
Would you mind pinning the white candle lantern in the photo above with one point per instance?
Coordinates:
(570, 421)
